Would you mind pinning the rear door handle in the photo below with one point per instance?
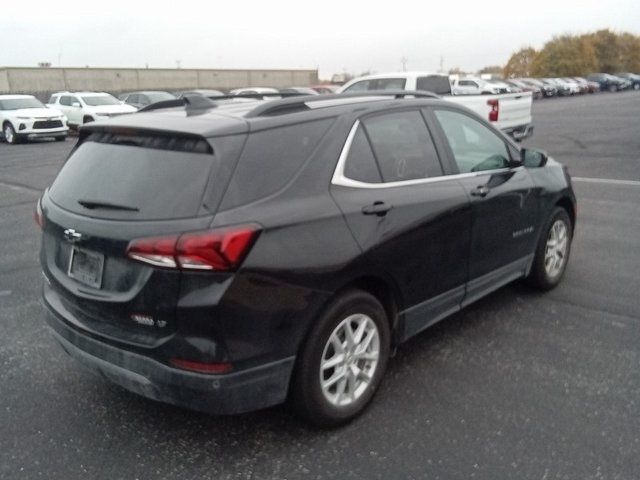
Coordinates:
(378, 208)
(480, 191)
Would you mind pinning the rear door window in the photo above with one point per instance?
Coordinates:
(403, 146)
(142, 178)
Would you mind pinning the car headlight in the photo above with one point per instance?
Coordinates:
(24, 118)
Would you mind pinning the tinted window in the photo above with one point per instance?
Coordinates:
(361, 164)
(475, 146)
(68, 101)
(434, 83)
(53, 99)
(271, 158)
(389, 84)
(359, 86)
(403, 146)
(161, 184)
(133, 98)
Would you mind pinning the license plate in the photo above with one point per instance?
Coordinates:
(86, 267)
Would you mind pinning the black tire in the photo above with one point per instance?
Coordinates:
(306, 394)
(539, 277)
(613, 88)
(9, 133)
(61, 138)
(636, 86)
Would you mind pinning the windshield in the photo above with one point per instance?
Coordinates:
(97, 100)
(19, 103)
(159, 97)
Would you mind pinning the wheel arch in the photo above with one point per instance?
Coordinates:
(385, 292)
(566, 204)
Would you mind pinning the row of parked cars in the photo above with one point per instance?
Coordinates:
(547, 87)
(24, 117)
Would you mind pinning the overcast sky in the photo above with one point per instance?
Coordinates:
(332, 36)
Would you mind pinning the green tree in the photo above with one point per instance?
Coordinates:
(630, 52)
(565, 56)
(521, 63)
(608, 52)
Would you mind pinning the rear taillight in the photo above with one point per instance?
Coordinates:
(495, 109)
(218, 250)
(37, 215)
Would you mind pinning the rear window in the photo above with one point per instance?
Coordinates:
(163, 178)
(438, 84)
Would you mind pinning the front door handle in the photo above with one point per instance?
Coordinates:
(480, 191)
(378, 208)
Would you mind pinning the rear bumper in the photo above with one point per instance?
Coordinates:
(232, 393)
(521, 132)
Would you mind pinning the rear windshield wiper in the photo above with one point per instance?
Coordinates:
(92, 204)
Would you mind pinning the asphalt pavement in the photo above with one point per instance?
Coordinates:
(521, 385)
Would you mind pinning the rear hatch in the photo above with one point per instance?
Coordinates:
(115, 188)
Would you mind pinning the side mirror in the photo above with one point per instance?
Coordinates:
(533, 158)
(76, 104)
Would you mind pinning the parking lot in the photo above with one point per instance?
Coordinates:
(521, 385)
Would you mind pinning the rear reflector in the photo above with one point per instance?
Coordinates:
(219, 250)
(201, 367)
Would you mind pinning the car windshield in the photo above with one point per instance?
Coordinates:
(98, 100)
(159, 96)
(19, 103)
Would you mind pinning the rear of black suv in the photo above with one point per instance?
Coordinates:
(223, 256)
(146, 289)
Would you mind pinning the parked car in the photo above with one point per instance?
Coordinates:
(632, 78)
(200, 280)
(548, 90)
(607, 82)
(563, 89)
(24, 117)
(591, 87)
(201, 91)
(569, 87)
(142, 99)
(85, 107)
(325, 88)
(475, 86)
(518, 85)
(256, 91)
(300, 90)
(576, 86)
(510, 112)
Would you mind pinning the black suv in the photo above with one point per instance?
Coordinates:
(226, 255)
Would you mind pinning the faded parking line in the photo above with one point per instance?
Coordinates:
(612, 181)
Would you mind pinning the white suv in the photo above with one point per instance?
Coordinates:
(25, 117)
(84, 107)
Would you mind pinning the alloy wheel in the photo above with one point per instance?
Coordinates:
(556, 249)
(349, 360)
(8, 134)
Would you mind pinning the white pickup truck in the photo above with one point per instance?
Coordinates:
(510, 112)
